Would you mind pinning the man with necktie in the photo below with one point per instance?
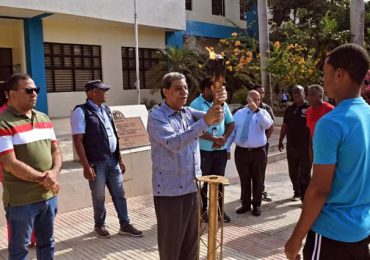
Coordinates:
(249, 136)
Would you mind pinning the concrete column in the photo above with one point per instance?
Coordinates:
(34, 46)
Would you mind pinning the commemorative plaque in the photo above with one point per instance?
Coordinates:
(131, 131)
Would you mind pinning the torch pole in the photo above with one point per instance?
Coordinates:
(212, 221)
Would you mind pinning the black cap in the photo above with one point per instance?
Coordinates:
(96, 84)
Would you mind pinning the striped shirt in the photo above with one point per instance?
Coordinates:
(30, 140)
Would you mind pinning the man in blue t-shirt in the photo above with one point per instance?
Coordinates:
(212, 143)
(336, 209)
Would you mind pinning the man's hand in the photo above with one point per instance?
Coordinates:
(281, 146)
(55, 188)
(219, 141)
(252, 106)
(228, 155)
(122, 165)
(50, 179)
(214, 115)
(89, 173)
(221, 95)
(292, 248)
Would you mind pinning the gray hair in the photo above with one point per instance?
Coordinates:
(168, 79)
(317, 88)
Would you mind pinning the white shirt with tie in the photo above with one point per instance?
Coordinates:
(254, 136)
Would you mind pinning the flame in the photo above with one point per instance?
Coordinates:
(212, 53)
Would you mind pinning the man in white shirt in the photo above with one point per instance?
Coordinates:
(249, 136)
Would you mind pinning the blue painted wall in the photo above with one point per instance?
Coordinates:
(209, 30)
(34, 45)
(175, 39)
(252, 22)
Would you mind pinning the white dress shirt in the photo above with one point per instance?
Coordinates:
(258, 123)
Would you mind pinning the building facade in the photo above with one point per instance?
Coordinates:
(63, 44)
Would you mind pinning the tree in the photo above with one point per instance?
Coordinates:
(189, 62)
(357, 9)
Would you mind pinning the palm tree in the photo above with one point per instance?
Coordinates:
(184, 60)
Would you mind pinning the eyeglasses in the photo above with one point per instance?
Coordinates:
(30, 91)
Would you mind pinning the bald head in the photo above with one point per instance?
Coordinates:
(254, 96)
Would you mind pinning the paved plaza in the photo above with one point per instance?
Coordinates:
(246, 237)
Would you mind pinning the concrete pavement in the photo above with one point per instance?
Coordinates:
(246, 237)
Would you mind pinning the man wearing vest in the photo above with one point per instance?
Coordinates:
(31, 161)
(96, 142)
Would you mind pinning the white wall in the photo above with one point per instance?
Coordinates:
(11, 36)
(111, 37)
(202, 11)
(157, 13)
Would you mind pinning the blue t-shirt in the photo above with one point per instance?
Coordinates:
(200, 103)
(342, 137)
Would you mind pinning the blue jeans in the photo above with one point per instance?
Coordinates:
(22, 219)
(108, 173)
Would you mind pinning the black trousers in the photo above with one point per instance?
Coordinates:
(250, 165)
(177, 226)
(299, 166)
(264, 172)
(318, 247)
(212, 163)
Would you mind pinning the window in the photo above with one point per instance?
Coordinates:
(218, 7)
(147, 60)
(6, 63)
(243, 9)
(188, 5)
(69, 66)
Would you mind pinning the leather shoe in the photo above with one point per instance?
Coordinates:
(256, 211)
(242, 209)
(227, 219)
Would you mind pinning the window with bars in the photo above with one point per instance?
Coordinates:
(147, 60)
(69, 66)
(188, 5)
(6, 63)
(218, 7)
(243, 9)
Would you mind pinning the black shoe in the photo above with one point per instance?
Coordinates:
(265, 197)
(130, 230)
(256, 211)
(101, 232)
(227, 219)
(242, 209)
(205, 217)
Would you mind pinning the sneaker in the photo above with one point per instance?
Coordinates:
(227, 219)
(296, 197)
(101, 232)
(130, 230)
(265, 197)
(205, 217)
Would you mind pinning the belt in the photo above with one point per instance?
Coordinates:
(249, 149)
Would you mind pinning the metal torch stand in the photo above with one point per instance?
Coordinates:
(213, 208)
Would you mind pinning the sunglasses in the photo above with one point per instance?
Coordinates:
(30, 91)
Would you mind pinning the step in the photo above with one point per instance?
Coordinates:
(276, 156)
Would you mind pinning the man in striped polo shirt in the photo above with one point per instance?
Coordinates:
(31, 161)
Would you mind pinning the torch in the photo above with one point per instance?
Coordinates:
(217, 70)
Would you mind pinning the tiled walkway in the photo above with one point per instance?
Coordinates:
(246, 237)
